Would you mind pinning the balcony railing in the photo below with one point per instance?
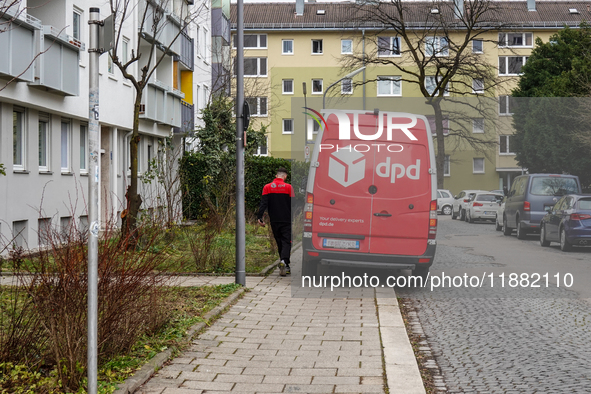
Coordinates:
(187, 55)
(18, 44)
(187, 119)
(161, 104)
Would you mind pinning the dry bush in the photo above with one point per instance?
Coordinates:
(131, 296)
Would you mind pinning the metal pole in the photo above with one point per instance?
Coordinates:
(93, 197)
(240, 218)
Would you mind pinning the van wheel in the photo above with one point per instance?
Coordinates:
(462, 214)
(506, 229)
(564, 245)
(421, 271)
(520, 231)
(498, 226)
(543, 240)
(446, 210)
(309, 266)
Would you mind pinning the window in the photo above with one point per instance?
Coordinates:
(388, 46)
(431, 86)
(436, 46)
(287, 126)
(254, 67)
(515, 40)
(65, 146)
(478, 125)
(125, 50)
(287, 47)
(511, 65)
(83, 148)
(253, 41)
(346, 47)
(76, 21)
(288, 86)
(389, 86)
(18, 140)
(44, 138)
(317, 47)
(446, 166)
(317, 86)
(478, 85)
(506, 105)
(110, 62)
(478, 165)
(432, 125)
(258, 106)
(347, 86)
(505, 145)
(262, 149)
(43, 231)
(477, 46)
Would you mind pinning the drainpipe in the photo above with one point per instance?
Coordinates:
(127, 154)
(363, 40)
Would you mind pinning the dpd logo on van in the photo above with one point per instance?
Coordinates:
(346, 167)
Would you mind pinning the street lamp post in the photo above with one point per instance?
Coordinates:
(350, 75)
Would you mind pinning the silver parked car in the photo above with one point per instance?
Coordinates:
(499, 216)
(483, 206)
(461, 201)
(445, 201)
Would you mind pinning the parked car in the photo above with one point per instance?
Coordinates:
(497, 191)
(499, 215)
(461, 201)
(445, 201)
(483, 206)
(568, 222)
(529, 198)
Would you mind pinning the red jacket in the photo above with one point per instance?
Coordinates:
(277, 199)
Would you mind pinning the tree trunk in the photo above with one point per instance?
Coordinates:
(134, 200)
(440, 139)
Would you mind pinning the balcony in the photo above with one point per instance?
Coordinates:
(57, 69)
(161, 104)
(187, 119)
(18, 34)
(187, 55)
(166, 32)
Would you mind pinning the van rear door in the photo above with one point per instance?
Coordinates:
(372, 195)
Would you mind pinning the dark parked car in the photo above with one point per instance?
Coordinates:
(530, 197)
(568, 222)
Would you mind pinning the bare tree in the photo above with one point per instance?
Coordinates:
(155, 39)
(432, 43)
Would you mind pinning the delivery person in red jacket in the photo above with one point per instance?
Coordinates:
(277, 199)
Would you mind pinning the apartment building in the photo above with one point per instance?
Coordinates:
(289, 45)
(44, 74)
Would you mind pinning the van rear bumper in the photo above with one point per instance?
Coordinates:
(368, 260)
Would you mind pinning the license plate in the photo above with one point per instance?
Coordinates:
(340, 244)
(488, 213)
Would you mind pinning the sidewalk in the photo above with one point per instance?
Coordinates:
(269, 342)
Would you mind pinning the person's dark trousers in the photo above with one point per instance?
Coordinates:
(282, 234)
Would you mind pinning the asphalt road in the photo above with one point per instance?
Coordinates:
(512, 337)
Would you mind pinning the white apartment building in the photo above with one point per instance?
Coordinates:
(44, 108)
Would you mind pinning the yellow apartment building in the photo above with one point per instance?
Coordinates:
(295, 56)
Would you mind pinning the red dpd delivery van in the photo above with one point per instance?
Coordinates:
(371, 195)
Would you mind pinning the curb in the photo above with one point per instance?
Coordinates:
(131, 384)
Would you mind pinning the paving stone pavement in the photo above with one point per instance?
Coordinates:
(269, 342)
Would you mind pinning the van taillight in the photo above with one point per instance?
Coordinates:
(433, 220)
(526, 206)
(308, 214)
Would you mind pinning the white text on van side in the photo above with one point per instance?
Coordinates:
(363, 148)
(397, 170)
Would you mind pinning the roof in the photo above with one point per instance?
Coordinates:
(343, 15)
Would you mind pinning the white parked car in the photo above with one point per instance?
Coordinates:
(483, 206)
(499, 216)
(445, 201)
(461, 201)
